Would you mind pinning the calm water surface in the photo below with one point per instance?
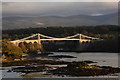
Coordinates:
(107, 59)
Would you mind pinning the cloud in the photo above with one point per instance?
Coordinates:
(58, 8)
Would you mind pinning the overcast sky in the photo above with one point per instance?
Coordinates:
(58, 8)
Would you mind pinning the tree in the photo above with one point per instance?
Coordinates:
(11, 50)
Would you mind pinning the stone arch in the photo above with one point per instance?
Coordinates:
(24, 42)
(29, 42)
(35, 42)
(83, 41)
(20, 43)
(87, 41)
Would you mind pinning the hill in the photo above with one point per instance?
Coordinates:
(46, 21)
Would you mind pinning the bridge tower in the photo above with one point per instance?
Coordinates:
(80, 37)
(39, 41)
(40, 44)
(81, 46)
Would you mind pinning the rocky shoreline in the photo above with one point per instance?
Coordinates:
(77, 69)
(73, 69)
(51, 65)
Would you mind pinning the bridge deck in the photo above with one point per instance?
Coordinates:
(49, 39)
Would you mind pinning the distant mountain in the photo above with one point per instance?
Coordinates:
(46, 21)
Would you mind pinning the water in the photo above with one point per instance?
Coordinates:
(6, 74)
(106, 59)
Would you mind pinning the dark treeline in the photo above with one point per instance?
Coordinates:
(110, 34)
(105, 46)
(103, 30)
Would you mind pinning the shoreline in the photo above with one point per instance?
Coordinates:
(94, 70)
(60, 68)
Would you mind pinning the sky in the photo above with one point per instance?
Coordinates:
(58, 8)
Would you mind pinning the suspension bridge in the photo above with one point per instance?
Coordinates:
(40, 37)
